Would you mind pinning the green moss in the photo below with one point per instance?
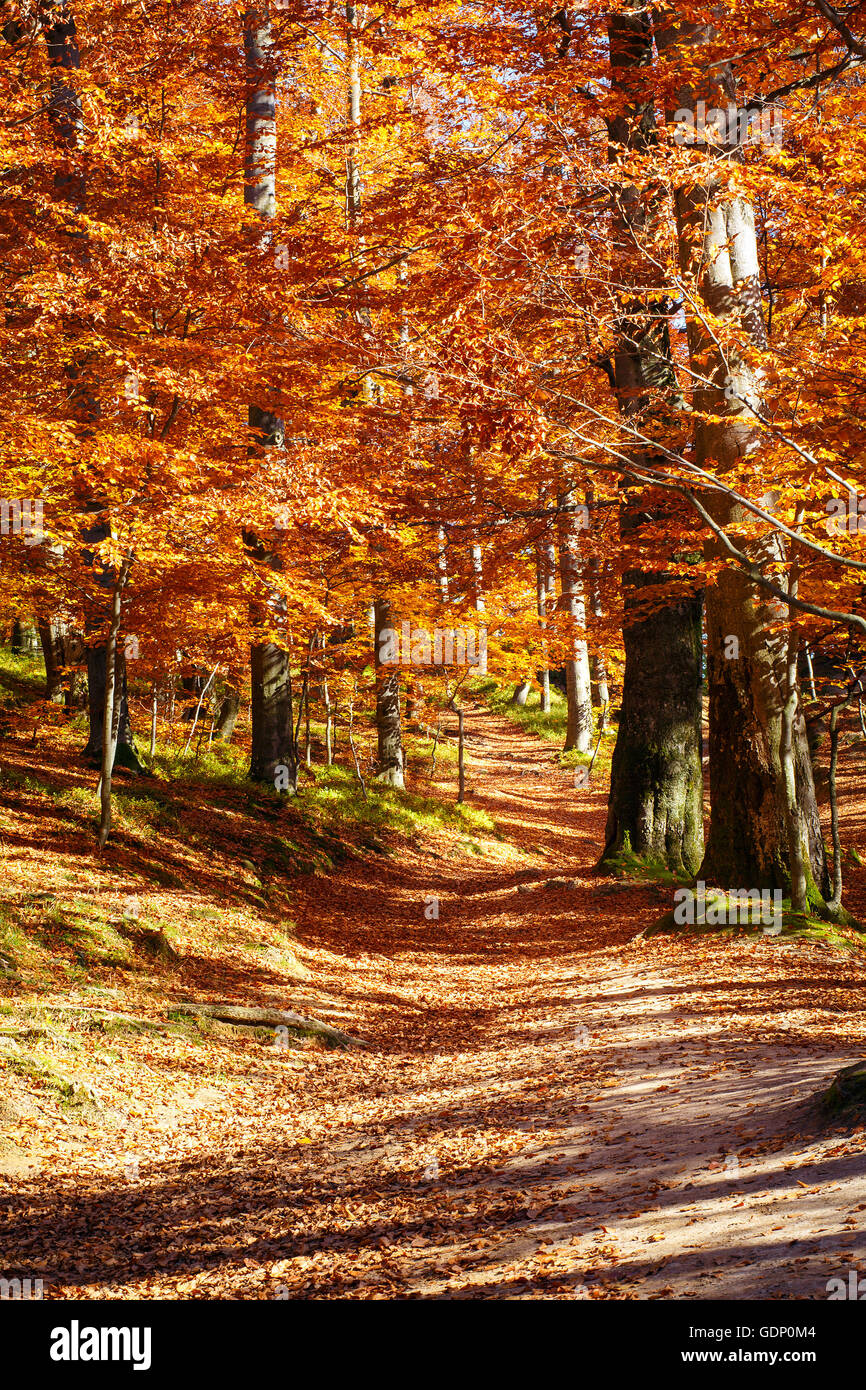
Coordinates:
(846, 1094)
(794, 926)
(643, 868)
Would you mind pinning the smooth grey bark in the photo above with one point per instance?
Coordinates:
(599, 690)
(573, 604)
(273, 757)
(442, 565)
(273, 751)
(125, 754)
(391, 765)
(260, 160)
(476, 592)
(545, 590)
(110, 733)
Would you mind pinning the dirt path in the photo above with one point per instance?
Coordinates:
(544, 1108)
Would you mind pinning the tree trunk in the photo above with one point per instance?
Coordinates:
(790, 710)
(125, 754)
(110, 731)
(388, 724)
(154, 706)
(326, 701)
(545, 588)
(597, 667)
(442, 565)
(228, 714)
(25, 639)
(835, 901)
(478, 601)
(273, 744)
(656, 785)
(579, 726)
(273, 757)
(655, 799)
(97, 663)
(52, 636)
(747, 844)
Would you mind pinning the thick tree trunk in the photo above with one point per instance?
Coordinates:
(260, 150)
(655, 800)
(577, 685)
(656, 786)
(747, 844)
(273, 757)
(388, 724)
(228, 714)
(124, 753)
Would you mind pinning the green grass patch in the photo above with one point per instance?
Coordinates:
(550, 727)
(335, 798)
(21, 677)
(221, 764)
(497, 697)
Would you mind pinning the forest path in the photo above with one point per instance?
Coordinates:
(540, 1099)
(663, 1090)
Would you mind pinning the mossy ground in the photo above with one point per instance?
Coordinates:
(640, 869)
(845, 1097)
(792, 926)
